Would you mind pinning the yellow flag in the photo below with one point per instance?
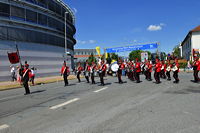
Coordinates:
(106, 55)
(98, 51)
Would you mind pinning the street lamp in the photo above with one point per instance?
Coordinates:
(68, 53)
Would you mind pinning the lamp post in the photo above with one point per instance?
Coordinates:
(66, 33)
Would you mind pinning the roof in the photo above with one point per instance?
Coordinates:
(84, 50)
(84, 56)
(196, 29)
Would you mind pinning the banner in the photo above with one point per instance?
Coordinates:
(13, 57)
(98, 51)
(144, 55)
(132, 48)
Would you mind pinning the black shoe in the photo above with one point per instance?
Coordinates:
(26, 93)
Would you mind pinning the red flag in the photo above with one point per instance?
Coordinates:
(13, 57)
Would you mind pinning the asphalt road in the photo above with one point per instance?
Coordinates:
(115, 108)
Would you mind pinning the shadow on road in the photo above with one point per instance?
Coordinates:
(39, 91)
(188, 90)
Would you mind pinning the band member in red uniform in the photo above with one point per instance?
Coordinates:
(26, 72)
(137, 70)
(65, 73)
(87, 71)
(163, 70)
(168, 69)
(119, 72)
(157, 71)
(102, 72)
(176, 71)
(79, 70)
(196, 68)
(132, 71)
(149, 71)
(93, 71)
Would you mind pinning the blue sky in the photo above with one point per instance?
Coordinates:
(110, 23)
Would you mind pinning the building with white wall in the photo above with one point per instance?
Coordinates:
(191, 41)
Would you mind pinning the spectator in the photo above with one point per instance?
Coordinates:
(32, 76)
(12, 71)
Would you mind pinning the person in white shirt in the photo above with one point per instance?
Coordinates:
(12, 71)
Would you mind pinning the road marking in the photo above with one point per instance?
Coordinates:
(4, 126)
(65, 103)
(7, 98)
(101, 89)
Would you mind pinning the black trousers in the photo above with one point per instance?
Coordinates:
(78, 76)
(137, 76)
(87, 78)
(92, 78)
(146, 74)
(175, 75)
(65, 79)
(162, 74)
(149, 75)
(168, 75)
(157, 77)
(196, 76)
(101, 75)
(25, 84)
(119, 75)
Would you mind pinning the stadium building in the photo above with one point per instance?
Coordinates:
(38, 28)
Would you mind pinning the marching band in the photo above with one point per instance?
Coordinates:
(133, 69)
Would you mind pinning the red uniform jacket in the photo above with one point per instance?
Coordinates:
(150, 67)
(87, 68)
(177, 65)
(103, 68)
(138, 67)
(64, 70)
(93, 67)
(80, 68)
(122, 66)
(198, 65)
(158, 67)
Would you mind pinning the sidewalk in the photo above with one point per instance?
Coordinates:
(13, 85)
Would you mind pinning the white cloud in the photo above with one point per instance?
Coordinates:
(156, 27)
(86, 42)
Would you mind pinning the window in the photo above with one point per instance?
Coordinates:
(31, 16)
(17, 12)
(42, 19)
(51, 5)
(4, 10)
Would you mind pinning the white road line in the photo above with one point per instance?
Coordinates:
(101, 89)
(4, 126)
(65, 103)
(7, 98)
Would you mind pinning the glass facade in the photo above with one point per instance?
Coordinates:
(50, 28)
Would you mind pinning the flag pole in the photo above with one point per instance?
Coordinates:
(18, 55)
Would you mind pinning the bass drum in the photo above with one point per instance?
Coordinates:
(115, 67)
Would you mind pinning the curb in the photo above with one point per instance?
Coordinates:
(38, 81)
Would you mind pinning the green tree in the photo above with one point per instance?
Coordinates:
(114, 56)
(135, 54)
(91, 59)
(177, 51)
